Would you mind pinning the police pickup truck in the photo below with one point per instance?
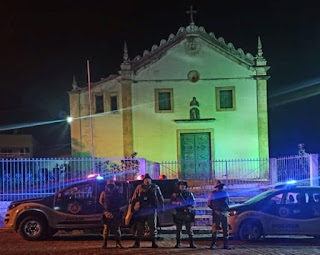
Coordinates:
(75, 207)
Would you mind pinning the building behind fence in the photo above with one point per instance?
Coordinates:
(25, 178)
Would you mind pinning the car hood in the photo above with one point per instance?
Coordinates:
(47, 201)
(237, 207)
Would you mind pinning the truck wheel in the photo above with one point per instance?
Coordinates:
(32, 228)
(250, 231)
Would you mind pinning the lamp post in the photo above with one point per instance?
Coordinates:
(90, 112)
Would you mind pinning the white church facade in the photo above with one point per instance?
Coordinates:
(191, 97)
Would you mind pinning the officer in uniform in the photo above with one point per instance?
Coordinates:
(218, 201)
(111, 201)
(145, 201)
(183, 201)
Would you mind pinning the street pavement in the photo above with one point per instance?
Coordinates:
(77, 243)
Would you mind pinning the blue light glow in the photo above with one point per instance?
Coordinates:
(291, 182)
(99, 177)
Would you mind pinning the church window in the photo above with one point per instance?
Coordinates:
(225, 99)
(113, 103)
(99, 103)
(164, 100)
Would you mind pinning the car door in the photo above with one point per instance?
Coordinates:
(272, 208)
(287, 215)
(78, 199)
(309, 221)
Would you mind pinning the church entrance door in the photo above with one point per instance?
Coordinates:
(195, 156)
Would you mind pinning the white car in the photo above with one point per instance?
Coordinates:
(285, 210)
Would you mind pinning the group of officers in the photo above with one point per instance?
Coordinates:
(147, 199)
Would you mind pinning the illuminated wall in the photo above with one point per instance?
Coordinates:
(155, 136)
(235, 133)
(106, 127)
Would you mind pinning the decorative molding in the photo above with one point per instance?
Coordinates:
(193, 45)
(179, 121)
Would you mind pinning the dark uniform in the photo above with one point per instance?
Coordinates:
(145, 201)
(111, 201)
(218, 201)
(183, 201)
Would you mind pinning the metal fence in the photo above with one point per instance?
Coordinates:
(294, 168)
(26, 178)
(232, 172)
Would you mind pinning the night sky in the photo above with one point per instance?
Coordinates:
(44, 43)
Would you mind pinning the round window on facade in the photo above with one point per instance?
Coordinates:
(193, 76)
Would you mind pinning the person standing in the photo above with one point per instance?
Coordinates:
(110, 199)
(218, 201)
(183, 201)
(145, 200)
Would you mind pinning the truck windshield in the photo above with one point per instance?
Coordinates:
(259, 197)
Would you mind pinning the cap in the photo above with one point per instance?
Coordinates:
(147, 176)
(183, 183)
(218, 183)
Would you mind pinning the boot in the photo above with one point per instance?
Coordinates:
(154, 244)
(104, 246)
(178, 245)
(118, 243)
(105, 241)
(136, 243)
(213, 244)
(105, 235)
(191, 242)
(226, 244)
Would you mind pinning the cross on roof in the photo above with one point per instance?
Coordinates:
(191, 12)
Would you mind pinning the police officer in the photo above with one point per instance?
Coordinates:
(145, 201)
(218, 201)
(183, 201)
(111, 201)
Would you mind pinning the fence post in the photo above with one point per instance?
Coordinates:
(142, 166)
(155, 170)
(314, 169)
(273, 173)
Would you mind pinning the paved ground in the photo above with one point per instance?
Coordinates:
(11, 243)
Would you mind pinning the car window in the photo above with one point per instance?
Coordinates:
(276, 199)
(313, 197)
(79, 192)
(292, 198)
(259, 197)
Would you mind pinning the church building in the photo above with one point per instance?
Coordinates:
(191, 97)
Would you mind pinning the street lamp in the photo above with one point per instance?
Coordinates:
(69, 119)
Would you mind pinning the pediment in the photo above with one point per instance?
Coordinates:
(192, 33)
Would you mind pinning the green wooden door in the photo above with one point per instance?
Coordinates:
(195, 156)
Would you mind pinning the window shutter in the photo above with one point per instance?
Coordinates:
(164, 101)
(226, 100)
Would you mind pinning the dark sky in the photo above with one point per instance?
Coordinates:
(44, 43)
